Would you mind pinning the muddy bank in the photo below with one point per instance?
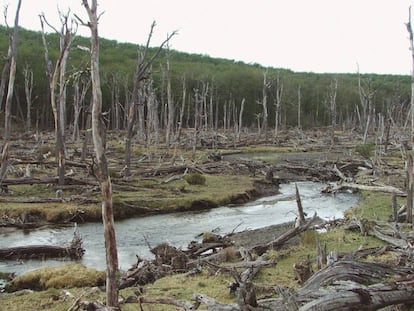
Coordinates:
(32, 219)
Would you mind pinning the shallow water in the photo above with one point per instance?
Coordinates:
(179, 229)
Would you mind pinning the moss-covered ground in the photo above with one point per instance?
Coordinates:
(58, 289)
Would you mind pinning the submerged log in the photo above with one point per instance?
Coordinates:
(73, 251)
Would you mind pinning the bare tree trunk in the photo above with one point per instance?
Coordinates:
(5, 73)
(240, 123)
(299, 109)
(197, 102)
(28, 88)
(264, 104)
(204, 113)
(57, 77)
(210, 111)
(366, 97)
(101, 161)
(410, 187)
(180, 122)
(278, 104)
(301, 217)
(12, 74)
(142, 68)
(170, 104)
(410, 31)
(225, 116)
(81, 86)
(332, 107)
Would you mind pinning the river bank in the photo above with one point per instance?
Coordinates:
(180, 228)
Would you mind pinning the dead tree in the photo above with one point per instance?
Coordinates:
(116, 107)
(81, 84)
(102, 173)
(143, 65)
(263, 103)
(180, 122)
(410, 32)
(333, 87)
(240, 123)
(152, 120)
(278, 105)
(409, 160)
(170, 104)
(197, 103)
(28, 89)
(57, 84)
(366, 96)
(299, 109)
(12, 74)
(6, 68)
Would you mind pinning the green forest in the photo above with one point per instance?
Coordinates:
(222, 83)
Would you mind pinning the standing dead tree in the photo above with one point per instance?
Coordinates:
(81, 84)
(170, 104)
(57, 83)
(240, 123)
(183, 101)
(102, 173)
(332, 90)
(6, 68)
(299, 108)
(409, 160)
(278, 105)
(410, 32)
(144, 63)
(263, 103)
(28, 89)
(12, 73)
(366, 96)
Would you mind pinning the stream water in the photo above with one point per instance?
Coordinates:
(178, 229)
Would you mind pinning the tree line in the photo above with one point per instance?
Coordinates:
(202, 91)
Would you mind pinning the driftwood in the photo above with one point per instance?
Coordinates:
(262, 248)
(392, 235)
(354, 186)
(347, 282)
(73, 251)
(373, 297)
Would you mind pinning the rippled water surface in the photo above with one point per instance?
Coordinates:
(179, 229)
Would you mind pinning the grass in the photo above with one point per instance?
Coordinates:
(55, 283)
(180, 286)
(176, 195)
(74, 275)
(179, 195)
(375, 206)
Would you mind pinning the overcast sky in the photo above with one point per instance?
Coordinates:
(302, 35)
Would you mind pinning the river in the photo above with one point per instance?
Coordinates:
(178, 229)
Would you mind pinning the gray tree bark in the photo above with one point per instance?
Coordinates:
(28, 88)
(57, 79)
(102, 164)
(12, 74)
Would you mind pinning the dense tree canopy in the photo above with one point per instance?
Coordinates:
(228, 82)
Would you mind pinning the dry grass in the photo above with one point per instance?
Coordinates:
(71, 275)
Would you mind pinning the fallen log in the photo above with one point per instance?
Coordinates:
(373, 297)
(73, 251)
(358, 272)
(354, 186)
(262, 248)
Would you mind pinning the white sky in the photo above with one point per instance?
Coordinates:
(302, 35)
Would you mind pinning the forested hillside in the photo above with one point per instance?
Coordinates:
(220, 84)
